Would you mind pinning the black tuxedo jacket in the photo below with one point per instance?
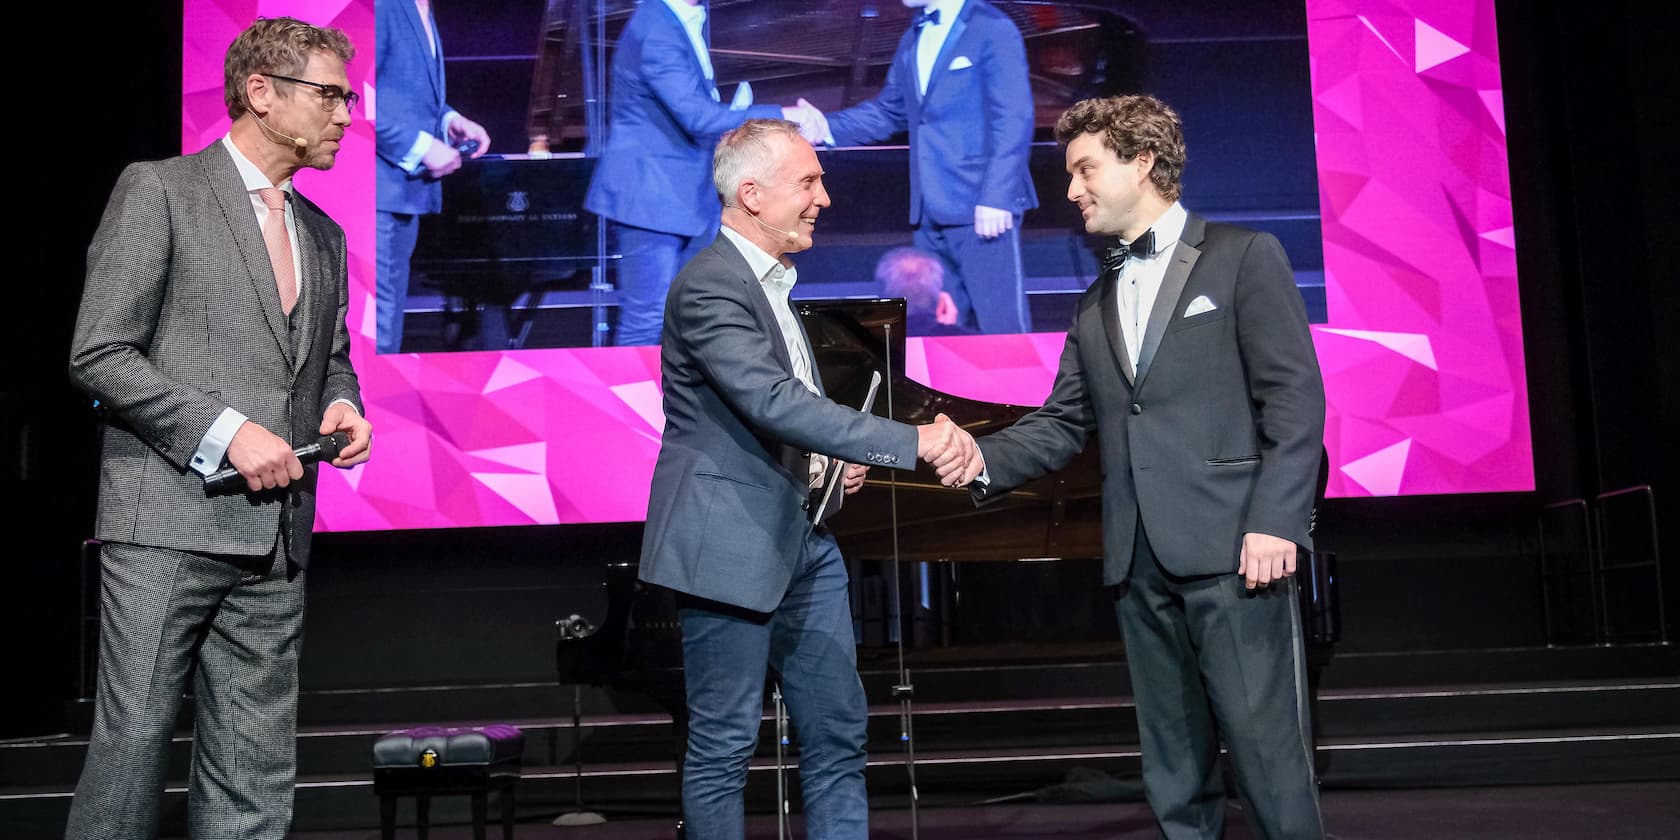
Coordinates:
(1214, 431)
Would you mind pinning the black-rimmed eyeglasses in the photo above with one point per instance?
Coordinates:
(331, 95)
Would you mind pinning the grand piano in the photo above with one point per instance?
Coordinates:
(1228, 67)
(905, 520)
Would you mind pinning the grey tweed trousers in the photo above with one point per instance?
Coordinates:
(234, 625)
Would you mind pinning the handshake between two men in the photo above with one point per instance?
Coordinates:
(944, 445)
(950, 450)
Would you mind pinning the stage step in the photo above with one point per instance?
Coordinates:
(1503, 733)
(977, 725)
(1099, 772)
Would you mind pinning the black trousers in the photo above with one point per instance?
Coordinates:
(1213, 662)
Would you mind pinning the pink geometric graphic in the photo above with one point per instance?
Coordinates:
(1422, 354)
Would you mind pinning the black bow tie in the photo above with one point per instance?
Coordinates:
(927, 18)
(1114, 259)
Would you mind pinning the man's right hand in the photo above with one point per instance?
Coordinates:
(441, 159)
(262, 458)
(813, 124)
(944, 445)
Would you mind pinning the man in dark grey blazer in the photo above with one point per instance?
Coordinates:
(747, 428)
(212, 328)
(1191, 359)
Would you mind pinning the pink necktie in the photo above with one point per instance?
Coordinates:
(279, 247)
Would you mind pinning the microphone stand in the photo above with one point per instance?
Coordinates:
(903, 689)
(781, 764)
(576, 629)
(578, 815)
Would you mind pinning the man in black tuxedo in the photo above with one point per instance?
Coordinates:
(1192, 358)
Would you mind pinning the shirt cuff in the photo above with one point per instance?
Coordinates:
(984, 478)
(213, 447)
(346, 402)
(411, 161)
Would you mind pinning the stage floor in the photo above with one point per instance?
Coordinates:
(1637, 811)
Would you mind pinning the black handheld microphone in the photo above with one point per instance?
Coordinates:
(325, 449)
(465, 148)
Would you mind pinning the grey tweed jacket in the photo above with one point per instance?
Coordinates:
(179, 319)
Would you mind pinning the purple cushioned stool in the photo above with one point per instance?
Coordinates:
(429, 761)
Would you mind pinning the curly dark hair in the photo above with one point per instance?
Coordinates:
(1129, 125)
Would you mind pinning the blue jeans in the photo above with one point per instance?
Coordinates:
(397, 234)
(650, 261)
(808, 642)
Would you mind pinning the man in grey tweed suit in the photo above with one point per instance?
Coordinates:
(212, 327)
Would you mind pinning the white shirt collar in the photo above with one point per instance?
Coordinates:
(692, 17)
(1169, 229)
(248, 172)
(766, 268)
(948, 11)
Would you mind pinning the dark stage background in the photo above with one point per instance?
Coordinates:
(1591, 129)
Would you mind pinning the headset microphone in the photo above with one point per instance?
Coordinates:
(791, 236)
(299, 142)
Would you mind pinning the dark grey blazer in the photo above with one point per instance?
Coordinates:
(1217, 433)
(727, 509)
(180, 318)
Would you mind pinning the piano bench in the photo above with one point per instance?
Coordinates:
(428, 761)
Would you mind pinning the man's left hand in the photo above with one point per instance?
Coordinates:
(343, 417)
(853, 481)
(991, 222)
(945, 311)
(1265, 559)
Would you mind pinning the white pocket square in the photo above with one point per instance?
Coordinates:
(961, 62)
(1199, 305)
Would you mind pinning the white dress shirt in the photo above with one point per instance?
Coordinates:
(1140, 284)
(693, 20)
(777, 281)
(932, 39)
(1140, 279)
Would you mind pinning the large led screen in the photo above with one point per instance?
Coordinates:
(1419, 337)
